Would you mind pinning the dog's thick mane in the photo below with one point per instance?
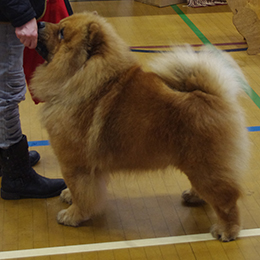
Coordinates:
(98, 69)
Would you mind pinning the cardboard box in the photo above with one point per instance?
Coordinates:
(162, 3)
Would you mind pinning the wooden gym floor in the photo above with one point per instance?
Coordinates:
(145, 218)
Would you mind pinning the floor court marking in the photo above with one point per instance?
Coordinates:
(253, 128)
(97, 247)
(38, 143)
(163, 51)
(46, 142)
(192, 26)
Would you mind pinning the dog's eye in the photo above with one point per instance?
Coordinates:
(61, 34)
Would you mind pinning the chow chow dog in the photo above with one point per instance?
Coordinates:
(104, 114)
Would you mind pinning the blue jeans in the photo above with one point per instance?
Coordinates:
(12, 85)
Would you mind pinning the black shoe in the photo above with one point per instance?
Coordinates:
(34, 157)
(19, 178)
(35, 186)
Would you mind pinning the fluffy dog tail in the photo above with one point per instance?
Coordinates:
(209, 70)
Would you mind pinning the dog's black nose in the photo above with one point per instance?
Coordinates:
(41, 25)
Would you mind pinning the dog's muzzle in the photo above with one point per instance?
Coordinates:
(41, 47)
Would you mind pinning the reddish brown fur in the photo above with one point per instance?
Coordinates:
(105, 114)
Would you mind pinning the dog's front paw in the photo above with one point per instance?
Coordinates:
(191, 198)
(71, 217)
(64, 218)
(223, 234)
(65, 196)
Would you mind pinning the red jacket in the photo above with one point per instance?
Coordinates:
(55, 11)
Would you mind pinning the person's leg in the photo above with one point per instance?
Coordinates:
(19, 179)
(12, 86)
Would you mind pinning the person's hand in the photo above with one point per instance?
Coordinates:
(28, 34)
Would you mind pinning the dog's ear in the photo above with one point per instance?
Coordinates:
(94, 39)
(93, 30)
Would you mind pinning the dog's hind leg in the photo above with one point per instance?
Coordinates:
(191, 198)
(88, 189)
(222, 194)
